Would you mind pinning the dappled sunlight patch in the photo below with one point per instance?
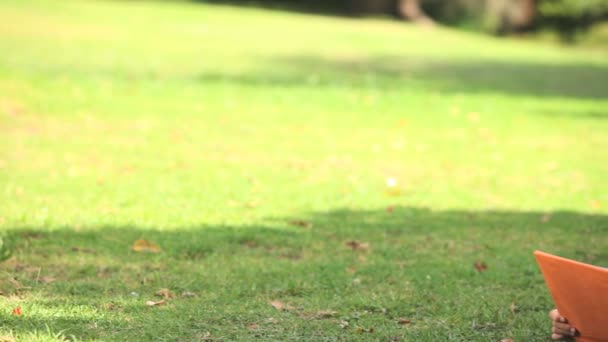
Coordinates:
(30, 25)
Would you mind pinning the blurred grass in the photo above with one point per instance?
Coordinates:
(208, 129)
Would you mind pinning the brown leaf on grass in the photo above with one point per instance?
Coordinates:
(165, 294)
(358, 246)
(300, 223)
(16, 311)
(206, 337)
(281, 306)
(14, 283)
(390, 209)
(188, 294)
(343, 324)
(512, 307)
(351, 270)
(111, 306)
(252, 326)
(83, 250)
(145, 246)
(404, 321)
(506, 340)
(250, 243)
(326, 314)
(480, 266)
(153, 303)
(545, 218)
(46, 280)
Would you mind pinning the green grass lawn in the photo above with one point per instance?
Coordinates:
(254, 148)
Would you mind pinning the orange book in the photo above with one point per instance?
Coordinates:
(580, 293)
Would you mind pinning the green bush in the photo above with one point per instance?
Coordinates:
(576, 9)
(571, 16)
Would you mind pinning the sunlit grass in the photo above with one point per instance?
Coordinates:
(253, 145)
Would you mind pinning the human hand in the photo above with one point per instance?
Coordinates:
(561, 328)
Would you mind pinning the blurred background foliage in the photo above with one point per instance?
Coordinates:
(567, 18)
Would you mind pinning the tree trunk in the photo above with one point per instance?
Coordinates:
(512, 15)
(411, 10)
(527, 14)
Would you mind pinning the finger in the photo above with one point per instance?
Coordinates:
(562, 326)
(557, 336)
(554, 315)
(568, 331)
(558, 331)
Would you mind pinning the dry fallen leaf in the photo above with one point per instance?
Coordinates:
(83, 250)
(480, 266)
(512, 307)
(16, 311)
(111, 306)
(326, 313)
(343, 324)
(206, 337)
(404, 321)
(145, 246)
(358, 246)
(188, 294)
(165, 293)
(280, 305)
(506, 340)
(252, 326)
(250, 243)
(46, 279)
(153, 303)
(390, 209)
(300, 223)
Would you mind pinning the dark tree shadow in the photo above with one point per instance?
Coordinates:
(318, 7)
(585, 81)
(294, 258)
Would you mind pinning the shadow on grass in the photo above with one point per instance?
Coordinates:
(583, 81)
(580, 113)
(318, 7)
(235, 271)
